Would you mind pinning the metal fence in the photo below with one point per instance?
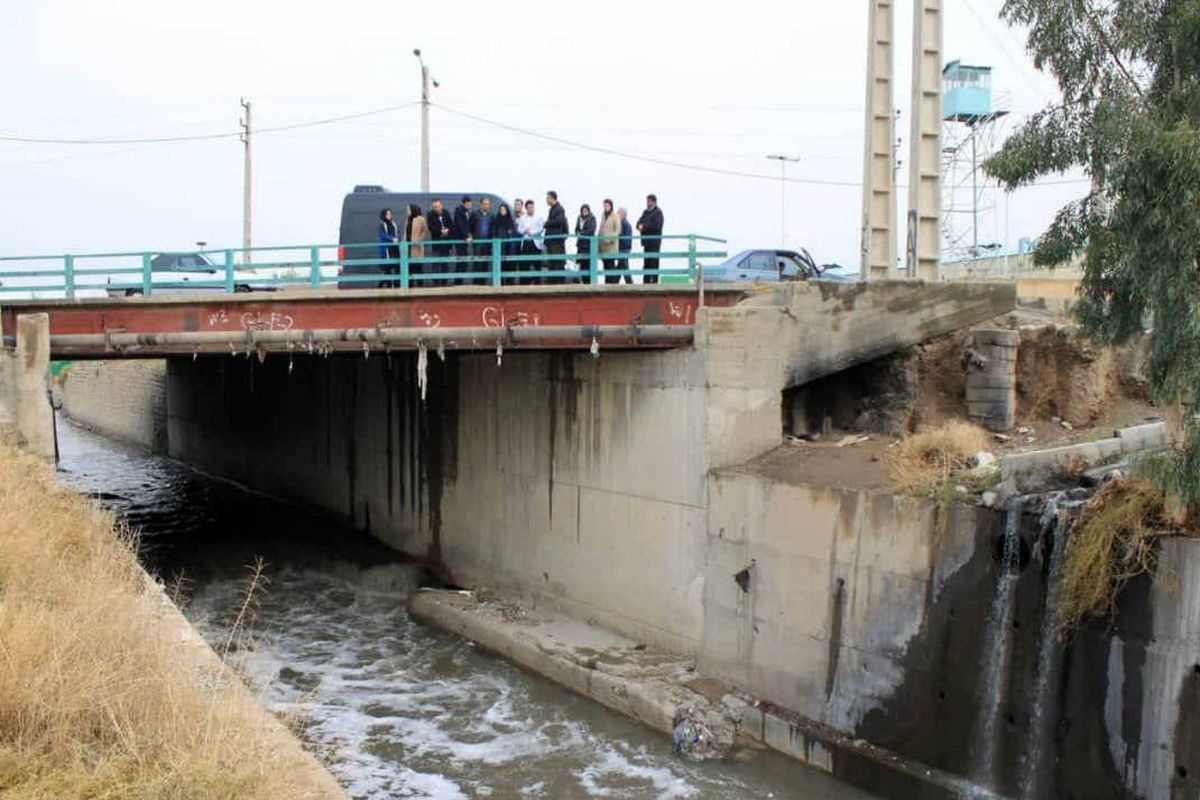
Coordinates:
(492, 262)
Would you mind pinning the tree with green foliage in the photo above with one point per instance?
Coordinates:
(1129, 75)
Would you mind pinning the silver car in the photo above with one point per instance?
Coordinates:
(171, 273)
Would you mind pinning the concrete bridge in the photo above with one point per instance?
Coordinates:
(599, 469)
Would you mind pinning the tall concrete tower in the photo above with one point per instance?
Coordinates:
(879, 178)
(925, 144)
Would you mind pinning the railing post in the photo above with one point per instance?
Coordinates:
(692, 256)
(69, 276)
(405, 267)
(229, 287)
(594, 261)
(146, 275)
(314, 267)
(497, 245)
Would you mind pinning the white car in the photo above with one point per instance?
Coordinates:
(171, 273)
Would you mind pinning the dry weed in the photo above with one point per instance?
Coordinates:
(97, 699)
(1112, 542)
(924, 463)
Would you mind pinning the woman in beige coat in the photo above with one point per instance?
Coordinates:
(610, 230)
(416, 232)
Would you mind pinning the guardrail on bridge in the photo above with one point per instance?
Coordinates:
(494, 262)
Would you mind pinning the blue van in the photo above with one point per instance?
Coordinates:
(360, 224)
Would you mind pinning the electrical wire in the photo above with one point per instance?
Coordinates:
(200, 137)
(638, 157)
(680, 164)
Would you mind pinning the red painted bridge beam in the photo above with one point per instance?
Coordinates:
(460, 308)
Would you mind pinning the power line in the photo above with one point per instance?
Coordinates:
(200, 137)
(680, 164)
(986, 27)
(636, 157)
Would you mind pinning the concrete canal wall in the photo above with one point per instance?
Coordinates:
(124, 400)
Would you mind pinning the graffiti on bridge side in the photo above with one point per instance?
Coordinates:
(502, 317)
(272, 321)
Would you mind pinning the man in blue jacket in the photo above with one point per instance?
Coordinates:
(460, 231)
(625, 242)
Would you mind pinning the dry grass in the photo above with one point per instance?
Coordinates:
(1112, 542)
(924, 463)
(99, 698)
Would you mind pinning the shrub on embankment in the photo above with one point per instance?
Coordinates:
(98, 696)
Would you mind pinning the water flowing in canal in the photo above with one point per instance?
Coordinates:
(396, 709)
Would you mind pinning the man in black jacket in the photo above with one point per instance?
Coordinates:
(650, 226)
(556, 227)
(440, 225)
(461, 233)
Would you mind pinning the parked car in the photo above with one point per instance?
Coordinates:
(171, 273)
(770, 266)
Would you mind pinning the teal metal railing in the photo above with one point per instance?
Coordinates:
(493, 262)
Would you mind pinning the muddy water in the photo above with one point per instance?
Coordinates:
(397, 709)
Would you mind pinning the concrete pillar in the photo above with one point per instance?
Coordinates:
(991, 357)
(8, 390)
(879, 177)
(925, 144)
(35, 417)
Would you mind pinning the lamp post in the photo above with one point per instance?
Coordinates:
(783, 162)
(425, 84)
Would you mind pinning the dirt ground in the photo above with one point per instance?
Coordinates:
(1068, 391)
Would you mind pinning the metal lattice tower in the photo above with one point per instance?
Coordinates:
(971, 131)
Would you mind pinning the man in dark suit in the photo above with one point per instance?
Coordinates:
(557, 227)
(650, 226)
(440, 226)
(460, 231)
(481, 234)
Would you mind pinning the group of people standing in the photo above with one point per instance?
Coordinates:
(464, 240)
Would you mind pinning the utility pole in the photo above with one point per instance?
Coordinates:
(879, 178)
(783, 162)
(925, 144)
(425, 85)
(246, 237)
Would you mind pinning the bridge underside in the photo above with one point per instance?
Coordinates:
(458, 318)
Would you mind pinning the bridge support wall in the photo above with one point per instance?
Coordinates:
(572, 479)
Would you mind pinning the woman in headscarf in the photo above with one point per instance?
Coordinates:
(504, 227)
(585, 232)
(416, 231)
(610, 234)
(389, 248)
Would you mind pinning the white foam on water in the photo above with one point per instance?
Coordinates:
(613, 774)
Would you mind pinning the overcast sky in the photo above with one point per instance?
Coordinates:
(711, 85)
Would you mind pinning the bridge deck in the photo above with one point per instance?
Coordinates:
(464, 317)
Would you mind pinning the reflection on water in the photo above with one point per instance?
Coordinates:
(399, 710)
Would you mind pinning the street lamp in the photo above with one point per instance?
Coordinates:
(783, 162)
(425, 82)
